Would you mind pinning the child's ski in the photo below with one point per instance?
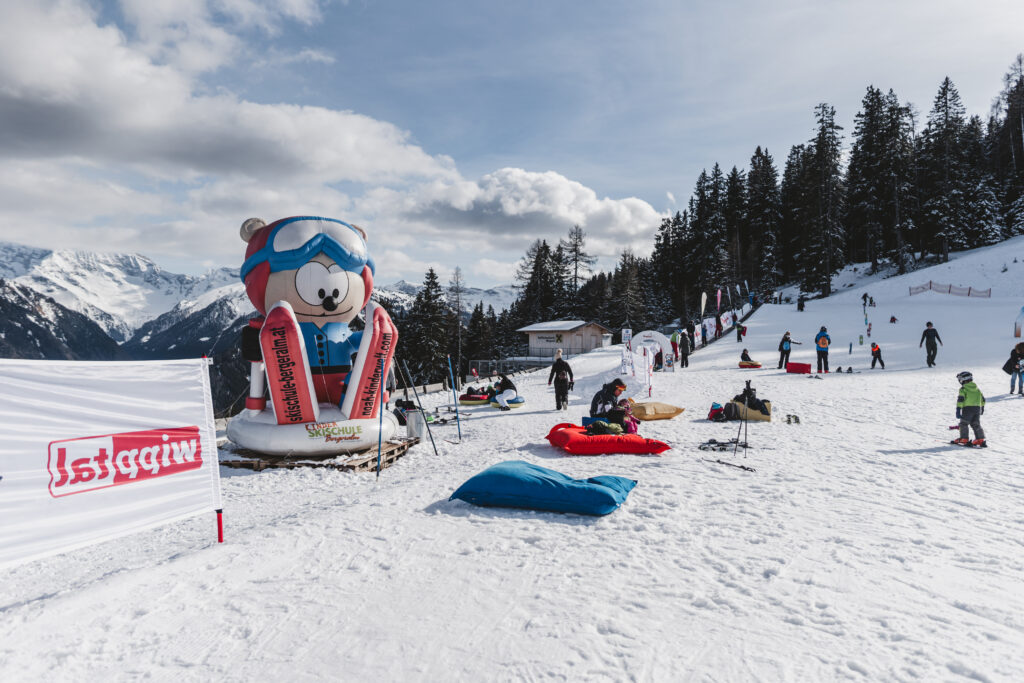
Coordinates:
(969, 444)
(729, 464)
(288, 376)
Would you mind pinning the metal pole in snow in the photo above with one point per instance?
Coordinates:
(380, 414)
(455, 396)
(416, 394)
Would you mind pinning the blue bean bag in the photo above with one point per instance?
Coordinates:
(519, 484)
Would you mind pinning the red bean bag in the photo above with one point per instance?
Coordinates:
(798, 368)
(474, 399)
(575, 441)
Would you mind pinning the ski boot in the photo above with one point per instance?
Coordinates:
(849, 370)
(979, 443)
(961, 442)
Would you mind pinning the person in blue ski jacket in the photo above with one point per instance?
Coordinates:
(785, 346)
(821, 343)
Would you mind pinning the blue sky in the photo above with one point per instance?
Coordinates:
(456, 133)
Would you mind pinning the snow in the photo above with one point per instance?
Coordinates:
(554, 326)
(864, 546)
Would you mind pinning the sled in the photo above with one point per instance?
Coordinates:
(798, 368)
(749, 364)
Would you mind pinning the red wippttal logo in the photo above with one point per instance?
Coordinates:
(98, 462)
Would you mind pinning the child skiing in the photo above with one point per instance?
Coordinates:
(876, 356)
(970, 406)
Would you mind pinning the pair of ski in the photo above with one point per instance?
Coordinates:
(730, 464)
(954, 442)
(714, 445)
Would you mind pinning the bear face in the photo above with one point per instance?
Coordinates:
(318, 265)
(319, 291)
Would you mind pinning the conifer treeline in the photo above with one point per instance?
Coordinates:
(910, 192)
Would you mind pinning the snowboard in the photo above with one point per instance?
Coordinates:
(288, 377)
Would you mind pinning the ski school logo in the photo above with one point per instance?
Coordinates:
(98, 462)
(332, 431)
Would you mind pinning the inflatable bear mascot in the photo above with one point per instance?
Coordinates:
(309, 277)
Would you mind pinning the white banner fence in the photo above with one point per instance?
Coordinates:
(950, 289)
(91, 451)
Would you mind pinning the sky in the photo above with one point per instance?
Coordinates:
(455, 132)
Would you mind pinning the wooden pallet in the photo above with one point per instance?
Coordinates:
(364, 461)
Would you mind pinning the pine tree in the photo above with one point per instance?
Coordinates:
(735, 214)
(941, 163)
(579, 264)
(823, 249)
(764, 219)
(456, 295)
(424, 341)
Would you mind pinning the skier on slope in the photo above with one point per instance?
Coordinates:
(876, 356)
(821, 344)
(970, 406)
(928, 339)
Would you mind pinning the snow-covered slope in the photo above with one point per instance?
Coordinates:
(863, 547)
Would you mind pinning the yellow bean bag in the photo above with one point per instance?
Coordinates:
(655, 410)
(753, 414)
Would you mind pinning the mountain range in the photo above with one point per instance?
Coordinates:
(78, 305)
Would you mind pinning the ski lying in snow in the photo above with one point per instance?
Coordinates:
(815, 377)
(969, 445)
(729, 464)
(714, 445)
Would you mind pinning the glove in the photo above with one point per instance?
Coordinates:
(958, 413)
(983, 410)
(570, 385)
(549, 383)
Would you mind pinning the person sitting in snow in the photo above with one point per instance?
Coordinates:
(970, 406)
(659, 360)
(893, 319)
(745, 357)
(607, 398)
(505, 392)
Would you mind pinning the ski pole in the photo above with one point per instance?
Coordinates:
(380, 410)
(455, 397)
(420, 404)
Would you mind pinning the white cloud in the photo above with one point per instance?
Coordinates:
(111, 141)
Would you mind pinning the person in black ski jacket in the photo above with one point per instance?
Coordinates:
(785, 346)
(928, 339)
(607, 399)
(561, 374)
(876, 356)
(684, 350)
(690, 328)
(1015, 368)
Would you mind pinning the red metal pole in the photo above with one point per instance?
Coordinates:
(220, 526)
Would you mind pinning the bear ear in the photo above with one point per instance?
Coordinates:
(249, 228)
(359, 230)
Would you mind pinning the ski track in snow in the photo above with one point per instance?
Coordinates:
(864, 547)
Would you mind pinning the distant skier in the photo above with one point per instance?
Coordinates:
(561, 373)
(784, 349)
(690, 327)
(674, 339)
(928, 339)
(876, 356)
(800, 301)
(821, 344)
(970, 406)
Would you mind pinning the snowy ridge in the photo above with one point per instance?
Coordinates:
(500, 298)
(863, 547)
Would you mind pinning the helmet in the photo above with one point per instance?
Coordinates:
(823, 329)
(964, 377)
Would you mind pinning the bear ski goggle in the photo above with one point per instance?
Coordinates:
(294, 241)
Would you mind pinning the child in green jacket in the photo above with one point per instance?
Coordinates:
(970, 406)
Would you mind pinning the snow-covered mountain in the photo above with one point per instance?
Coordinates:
(119, 292)
(34, 326)
(403, 293)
